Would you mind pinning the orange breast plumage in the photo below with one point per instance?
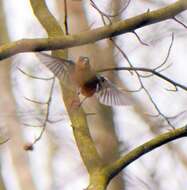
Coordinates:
(89, 88)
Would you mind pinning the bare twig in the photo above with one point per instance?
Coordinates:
(34, 77)
(165, 60)
(168, 53)
(36, 102)
(29, 146)
(178, 21)
(142, 87)
(110, 15)
(66, 17)
(145, 70)
(47, 112)
(47, 103)
(139, 39)
(123, 53)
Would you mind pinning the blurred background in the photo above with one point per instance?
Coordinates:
(55, 162)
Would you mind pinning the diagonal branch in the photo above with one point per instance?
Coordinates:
(78, 118)
(113, 169)
(107, 31)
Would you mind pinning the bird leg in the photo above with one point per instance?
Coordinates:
(76, 102)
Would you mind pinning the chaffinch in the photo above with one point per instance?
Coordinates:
(85, 78)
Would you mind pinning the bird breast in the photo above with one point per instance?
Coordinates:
(89, 88)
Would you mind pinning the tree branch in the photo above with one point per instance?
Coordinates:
(152, 71)
(77, 116)
(113, 169)
(117, 28)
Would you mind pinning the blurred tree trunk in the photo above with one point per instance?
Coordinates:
(104, 130)
(7, 105)
(2, 184)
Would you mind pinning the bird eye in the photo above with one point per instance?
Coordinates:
(86, 59)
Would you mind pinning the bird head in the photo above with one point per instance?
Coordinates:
(83, 62)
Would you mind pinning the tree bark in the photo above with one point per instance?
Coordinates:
(7, 105)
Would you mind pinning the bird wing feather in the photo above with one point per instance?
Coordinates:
(58, 66)
(110, 95)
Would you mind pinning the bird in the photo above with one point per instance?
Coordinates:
(87, 81)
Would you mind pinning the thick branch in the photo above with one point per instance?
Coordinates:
(82, 136)
(46, 19)
(133, 155)
(117, 28)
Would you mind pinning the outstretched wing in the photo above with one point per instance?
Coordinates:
(109, 94)
(58, 66)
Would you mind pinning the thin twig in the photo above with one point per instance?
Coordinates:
(123, 54)
(47, 113)
(35, 101)
(168, 53)
(66, 17)
(34, 77)
(142, 85)
(139, 39)
(47, 103)
(131, 65)
(181, 23)
(165, 60)
(110, 15)
(145, 70)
